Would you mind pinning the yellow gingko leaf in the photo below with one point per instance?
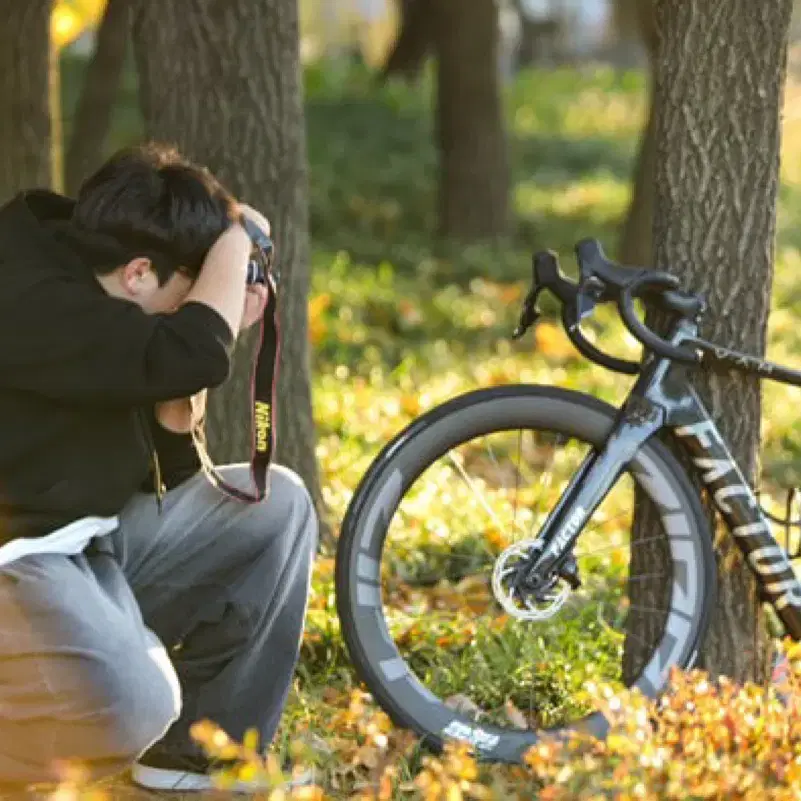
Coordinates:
(455, 793)
(248, 772)
(65, 25)
(311, 793)
(385, 786)
(317, 325)
(552, 341)
(324, 568)
(619, 744)
(410, 403)
(70, 18)
(318, 304)
(514, 715)
(251, 740)
(496, 538)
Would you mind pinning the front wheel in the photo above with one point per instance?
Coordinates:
(438, 522)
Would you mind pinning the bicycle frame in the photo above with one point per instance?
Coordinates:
(662, 397)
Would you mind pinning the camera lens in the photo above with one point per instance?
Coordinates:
(255, 273)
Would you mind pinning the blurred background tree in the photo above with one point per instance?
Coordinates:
(29, 122)
(636, 19)
(473, 161)
(223, 82)
(471, 136)
(92, 118)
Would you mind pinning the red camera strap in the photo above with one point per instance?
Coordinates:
(263, 383)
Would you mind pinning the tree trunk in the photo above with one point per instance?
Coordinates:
(28, 70)
(636, 241)
(719, 82)
(413, 42)
(222, 81)
(96, 103)
(636, 245)
(474, 172)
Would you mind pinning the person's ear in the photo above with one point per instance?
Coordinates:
(137, 276)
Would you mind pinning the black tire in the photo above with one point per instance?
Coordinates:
(358, 594)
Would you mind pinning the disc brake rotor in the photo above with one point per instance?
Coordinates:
(523, 605)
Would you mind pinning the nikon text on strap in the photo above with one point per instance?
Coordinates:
(263, 383)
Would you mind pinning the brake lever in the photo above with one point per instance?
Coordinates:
(530, 313)
(545, 275)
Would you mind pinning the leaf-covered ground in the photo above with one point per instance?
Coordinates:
(398, 325)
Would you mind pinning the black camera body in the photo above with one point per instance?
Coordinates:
(260, 265)
(256, 274)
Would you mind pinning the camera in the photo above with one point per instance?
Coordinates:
(256, 274)
(260, 265)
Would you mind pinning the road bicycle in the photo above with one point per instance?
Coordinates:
(525, 560)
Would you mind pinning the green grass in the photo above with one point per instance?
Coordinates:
(399, 325)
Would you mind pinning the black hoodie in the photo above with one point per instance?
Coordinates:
(80, 372)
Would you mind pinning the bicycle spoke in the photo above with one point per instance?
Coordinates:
(649, 609)
(517, 474)
(611, 548)
(646, 577)
(479, 495)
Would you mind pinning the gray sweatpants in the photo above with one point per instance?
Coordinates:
(194, 613)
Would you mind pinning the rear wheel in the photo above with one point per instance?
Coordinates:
(433, 532)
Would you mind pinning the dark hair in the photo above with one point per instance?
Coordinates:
(152, 202)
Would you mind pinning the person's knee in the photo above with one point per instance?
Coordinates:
(289, 486)
(136, 701)
(283, 527)
(148, 707)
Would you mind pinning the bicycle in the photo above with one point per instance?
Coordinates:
(533, 581)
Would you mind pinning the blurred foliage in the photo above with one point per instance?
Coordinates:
(704, 739)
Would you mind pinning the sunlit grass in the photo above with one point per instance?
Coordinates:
(598, 201)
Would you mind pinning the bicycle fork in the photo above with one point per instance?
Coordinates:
(596, 476)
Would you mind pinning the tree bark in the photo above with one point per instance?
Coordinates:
(412, 44)
(474, 170)
(96, 103)
(636, 241)
(719, 82)
(28, 72)
(222, 81)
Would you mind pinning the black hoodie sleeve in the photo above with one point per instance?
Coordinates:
(63, 339)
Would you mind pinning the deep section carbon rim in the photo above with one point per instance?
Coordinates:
(401, 571)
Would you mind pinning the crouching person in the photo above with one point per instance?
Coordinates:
(135, 597)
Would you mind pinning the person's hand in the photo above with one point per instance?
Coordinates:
(256, 297)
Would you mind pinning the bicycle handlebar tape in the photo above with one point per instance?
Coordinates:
(639, 330)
